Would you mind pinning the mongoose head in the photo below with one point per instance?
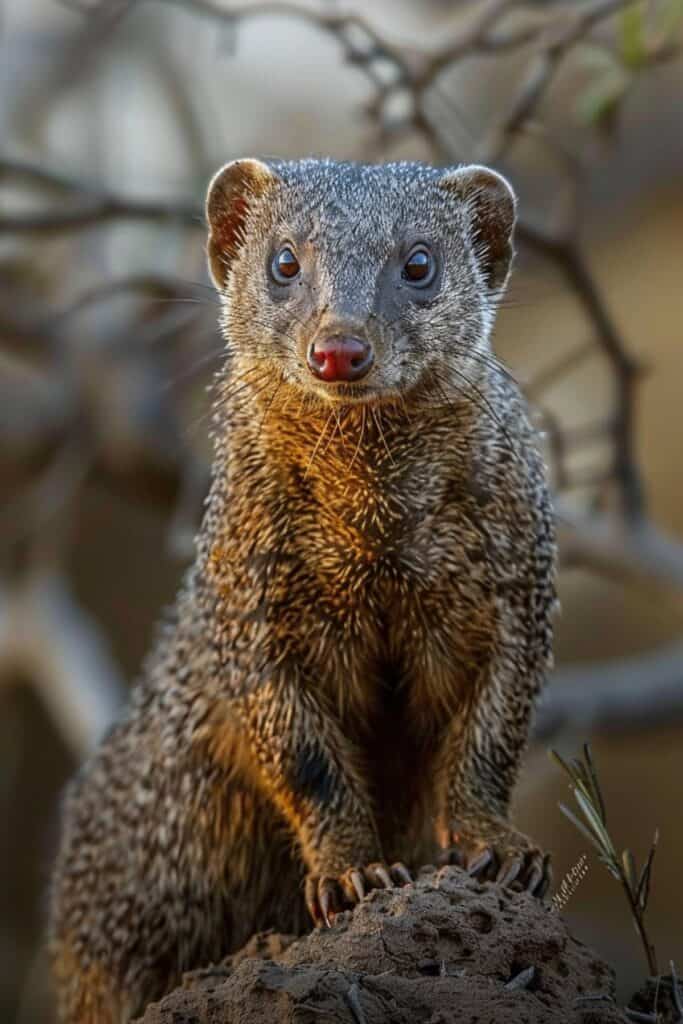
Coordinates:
(360, 283)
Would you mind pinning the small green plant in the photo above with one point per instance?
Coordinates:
(592, 824)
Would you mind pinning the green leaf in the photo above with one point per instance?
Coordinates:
(595, 782)
(580, 826)
(614, 869)
(562, 764)
(583, 781)
(629, 866)
(642, 893)
(597, 58)
(594, 822)
(669, 19)
(632, 39)
(601, 97)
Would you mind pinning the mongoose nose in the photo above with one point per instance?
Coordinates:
(340, 358)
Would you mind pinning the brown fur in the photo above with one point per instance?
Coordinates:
(352, 662)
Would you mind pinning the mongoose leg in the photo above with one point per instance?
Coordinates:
(481, 766)
(134, 906)
(314, 776)
(87, 996)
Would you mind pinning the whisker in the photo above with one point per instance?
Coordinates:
(317, 444)
(339, 425)
(218, 408)
(270, 329)
(244, 380)
(332, 435)
(191, 371)
(358, 447)
(185, 298)
(199, 284)
(269, 405)
(492, 362)
(488, 408)
(376, 415)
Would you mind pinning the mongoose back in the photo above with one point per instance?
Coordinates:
(344, 688)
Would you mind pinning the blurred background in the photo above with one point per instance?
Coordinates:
(113, 115)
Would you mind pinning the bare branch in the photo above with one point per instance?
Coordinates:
(417, 68)
(638, 552)
(45, 635)
(639, 692)
(91, 206)
(567, 256)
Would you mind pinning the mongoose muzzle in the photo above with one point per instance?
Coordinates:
(340, 358)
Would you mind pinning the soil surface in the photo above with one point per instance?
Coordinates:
(656, 999)
(441, 950)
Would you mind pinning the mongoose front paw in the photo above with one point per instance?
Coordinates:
(327, 895)
(508, 858)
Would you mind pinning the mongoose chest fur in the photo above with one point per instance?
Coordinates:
(344, 688)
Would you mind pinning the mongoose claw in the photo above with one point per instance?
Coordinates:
(510, 869)
(536, 874)
(322, 899)
(379, 874)
(356, 880)
(477, 865)
(326, 896)
(530, 871)
(539, 874)
(508, 860)
(400, 874)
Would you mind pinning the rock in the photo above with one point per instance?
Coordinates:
(442, 950)
(656, 998)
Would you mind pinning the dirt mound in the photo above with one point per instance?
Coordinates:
(442, 950)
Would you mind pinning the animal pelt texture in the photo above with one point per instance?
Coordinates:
(444, 951)
(344, 688)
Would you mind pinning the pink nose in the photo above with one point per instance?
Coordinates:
(340, 358)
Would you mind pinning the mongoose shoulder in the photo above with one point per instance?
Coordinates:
(345, 686)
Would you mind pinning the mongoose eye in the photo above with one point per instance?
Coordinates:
(419, 267)
(285, 266)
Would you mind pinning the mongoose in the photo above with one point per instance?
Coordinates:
(344, 689)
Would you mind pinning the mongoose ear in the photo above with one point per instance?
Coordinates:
(231, 193)
(491, 203)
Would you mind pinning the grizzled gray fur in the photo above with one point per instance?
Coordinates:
(344, 690)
